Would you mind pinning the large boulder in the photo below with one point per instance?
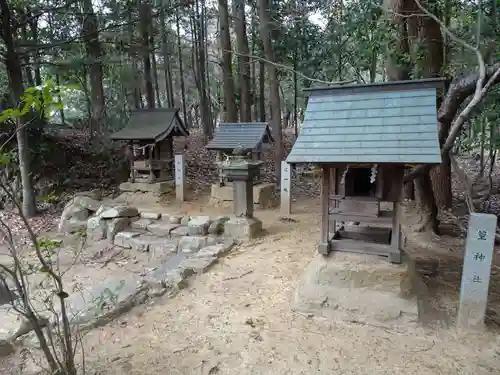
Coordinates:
(78, 210)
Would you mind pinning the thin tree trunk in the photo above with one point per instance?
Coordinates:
(169, 87)
(243, 62)
(262, 91)
(15, 77)
(145, 20)
(181, 68)
(227, 65)
(92, 45)
(265, 31)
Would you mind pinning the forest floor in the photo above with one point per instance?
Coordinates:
(238, 318)
(239, 315)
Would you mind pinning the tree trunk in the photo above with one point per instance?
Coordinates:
(15, 77)
(169, 87)
(262, 91)
(265, 32)
(243, 62)
(145, 20)
(397, 68)
(200, 71)
(93, 48)
(231, 114)
(181, 69)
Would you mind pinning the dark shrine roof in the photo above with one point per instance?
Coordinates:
(153, 124)
(249, 135)
(390, 122)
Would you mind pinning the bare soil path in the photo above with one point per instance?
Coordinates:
(238, 319)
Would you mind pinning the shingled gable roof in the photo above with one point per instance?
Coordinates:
(393, 122)
(152, 125)
(246, 134)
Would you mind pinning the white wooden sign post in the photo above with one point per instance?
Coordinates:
(286, 187)
(180, 177)
(476, 271)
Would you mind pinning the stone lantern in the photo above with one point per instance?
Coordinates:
(241, 170)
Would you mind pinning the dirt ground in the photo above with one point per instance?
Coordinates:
(237, 318)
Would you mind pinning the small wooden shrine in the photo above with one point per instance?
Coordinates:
(248, 135)
(362, 136)
(149, 134)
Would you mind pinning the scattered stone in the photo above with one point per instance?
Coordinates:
(96, 228)
(223, 219)
(162, 249)
(6, 348)
(116, 225)
(199, 225)
(73, 225)
(198, 265)
(86, 202)
(72, 212)
(105, 301)
(185, 220)
(216, 251)
(150, 215)
(180, 232)
(141, 223)
(119, 211)
(167, 280)
(162, 228)
(27, 326)
(217, 227)
(75, 211)
(174, 219)
(123, 239)
(191, 244)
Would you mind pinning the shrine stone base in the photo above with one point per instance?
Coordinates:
(145, 187)
(356, 287)
(262, 193)
(243, 228)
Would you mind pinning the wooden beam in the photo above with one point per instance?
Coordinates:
(324, 246)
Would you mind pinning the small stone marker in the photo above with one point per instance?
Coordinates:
(476, 271)
(180, 177)
(286, 186)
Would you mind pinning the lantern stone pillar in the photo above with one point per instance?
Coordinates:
(241, 170)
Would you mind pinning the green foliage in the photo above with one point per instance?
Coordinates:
(42, 100)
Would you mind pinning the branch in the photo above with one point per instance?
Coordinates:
(287, 68)
(460, 89)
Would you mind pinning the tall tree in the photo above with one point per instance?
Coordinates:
(265, 33)
(227, 64)
(243, 61)
(15, 76)
(90, 35)
(147, 42)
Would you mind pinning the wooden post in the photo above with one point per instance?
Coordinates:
(151, 178)
(333, 186)
(396, 193)
(395, 252)
(180, 177)
(218, 160)
(131, 156)
(324, 246)
(286, 187)
(476, 271)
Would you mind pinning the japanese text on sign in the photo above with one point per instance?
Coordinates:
(481, 235)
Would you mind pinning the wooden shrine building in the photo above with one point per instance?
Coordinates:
(149, 134)
(254, 136)
(362, 136)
